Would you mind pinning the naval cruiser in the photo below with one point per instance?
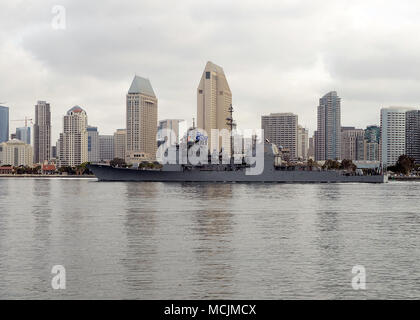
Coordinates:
(247, 170)
(273, 171)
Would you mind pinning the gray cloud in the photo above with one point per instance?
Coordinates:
(278, 56)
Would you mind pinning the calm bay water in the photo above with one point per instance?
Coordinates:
(214, 241)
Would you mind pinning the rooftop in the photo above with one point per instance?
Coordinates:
(141, 86)
(75, 109)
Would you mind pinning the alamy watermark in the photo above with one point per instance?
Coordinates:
(58, 281)
(223, 147)
(58, 21)
(358, 281)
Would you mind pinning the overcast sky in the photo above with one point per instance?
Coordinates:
(278, 56)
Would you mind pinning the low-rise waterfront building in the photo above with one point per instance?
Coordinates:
(16, 153)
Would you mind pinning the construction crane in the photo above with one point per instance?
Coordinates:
(26, 121)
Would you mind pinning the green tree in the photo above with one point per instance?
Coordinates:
(331, 165)
(404, 165)
(311, 163)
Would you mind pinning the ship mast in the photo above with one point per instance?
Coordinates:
(230, 123)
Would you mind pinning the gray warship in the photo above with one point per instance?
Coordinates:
(244, 170)
(273, 171)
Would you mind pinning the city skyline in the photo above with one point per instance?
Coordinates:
(369, 61)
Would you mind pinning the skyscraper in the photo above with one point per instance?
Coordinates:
(93, 144)
(120, 143)
(42, 132)
(303, 143)
(24, 134)
(412, 135)
(73, 145)
(392, 134)
(373, 133)
(282, 130)
(106, 147)
(214, 99)
(4, 124)
(372, 139)
(328, 134)
(142, 106)
(311, 148)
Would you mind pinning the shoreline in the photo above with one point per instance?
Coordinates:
(403, 178)
(46, 176)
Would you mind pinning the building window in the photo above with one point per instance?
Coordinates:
(207, 75)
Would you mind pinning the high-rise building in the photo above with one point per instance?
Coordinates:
(42, 132)
(352, 143)
(282, 130)
(311, 148)
(328, 134)
(412, 135)
(178, 127)
(4, 124)
(372, 139)
(371, 151)
(106, 147)
(303, 143)
(93, 144)
(54, 152)
(142, 109)
(120, 142)
(373, 133)
(16, 153)
(214, 99)
(73, 145)
(393, 133)
(24, 134)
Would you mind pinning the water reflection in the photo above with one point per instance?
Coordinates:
(140, 228)
(221, 241)
(213, 227)
(41, 236)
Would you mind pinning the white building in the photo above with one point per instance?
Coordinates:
(178, 127)
(73, 149)
(16, 153)
(303, 143)
(392, 134)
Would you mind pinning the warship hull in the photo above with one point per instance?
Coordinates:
(108, 173)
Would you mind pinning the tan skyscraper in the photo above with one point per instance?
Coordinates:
(142, 106)
(120, 143)
(213, 101)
